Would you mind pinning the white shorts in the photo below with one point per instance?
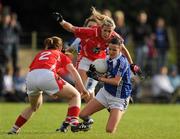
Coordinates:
(84, 63)
(42, 80)
(111, 102)
(91, 85)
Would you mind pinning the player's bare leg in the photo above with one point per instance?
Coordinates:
(74, 100)
(26, 114)
(92, 107)
(113, 121)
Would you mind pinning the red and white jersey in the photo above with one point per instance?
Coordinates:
(93, 46)
(50, 59)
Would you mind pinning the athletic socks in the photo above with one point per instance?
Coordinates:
(20, 121)
(72, 116)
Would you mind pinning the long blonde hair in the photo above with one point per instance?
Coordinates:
(102, 19)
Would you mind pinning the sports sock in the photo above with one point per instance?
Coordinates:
(20, 121)
(86, 119)
(72, 115)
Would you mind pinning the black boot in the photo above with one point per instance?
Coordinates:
(80, 127)
(64, 127)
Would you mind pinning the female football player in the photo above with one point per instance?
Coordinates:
(116, 90)
(43, 77)
(75, 47)
(93, 42)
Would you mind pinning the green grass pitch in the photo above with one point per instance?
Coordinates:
(141, 121)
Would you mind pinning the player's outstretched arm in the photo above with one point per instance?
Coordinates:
(66, 25)
(78, 81)
(127, 54)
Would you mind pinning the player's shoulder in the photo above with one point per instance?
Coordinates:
(122, 58)
(62, 54)
(65, 56)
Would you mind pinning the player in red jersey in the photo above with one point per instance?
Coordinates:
(43, 77)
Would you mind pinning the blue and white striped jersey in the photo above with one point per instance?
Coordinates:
(119, 66)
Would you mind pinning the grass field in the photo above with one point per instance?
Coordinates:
(141, 121)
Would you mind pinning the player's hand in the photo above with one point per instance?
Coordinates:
(57, 16)
(92, 73)
(85, 94)
(136, 69)
(92, 68)
(86, 98)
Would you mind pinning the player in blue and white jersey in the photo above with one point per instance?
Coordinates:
(115, 93)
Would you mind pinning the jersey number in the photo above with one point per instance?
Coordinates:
(44, 56)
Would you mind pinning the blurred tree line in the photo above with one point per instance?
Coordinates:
(36, 14)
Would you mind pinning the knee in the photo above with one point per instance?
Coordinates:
(75, 99)
(36, 107)
(77, 95)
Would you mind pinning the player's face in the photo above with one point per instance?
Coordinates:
(114, 50)
(106, 32)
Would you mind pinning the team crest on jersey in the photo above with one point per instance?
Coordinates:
(96, 49)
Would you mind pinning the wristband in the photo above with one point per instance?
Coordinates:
(62, 22)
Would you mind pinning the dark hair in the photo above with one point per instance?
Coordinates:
(116, 40)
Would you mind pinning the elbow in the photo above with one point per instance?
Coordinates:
(116, 83)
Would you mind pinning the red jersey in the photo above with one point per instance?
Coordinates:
(93, 46)
(50, 59)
